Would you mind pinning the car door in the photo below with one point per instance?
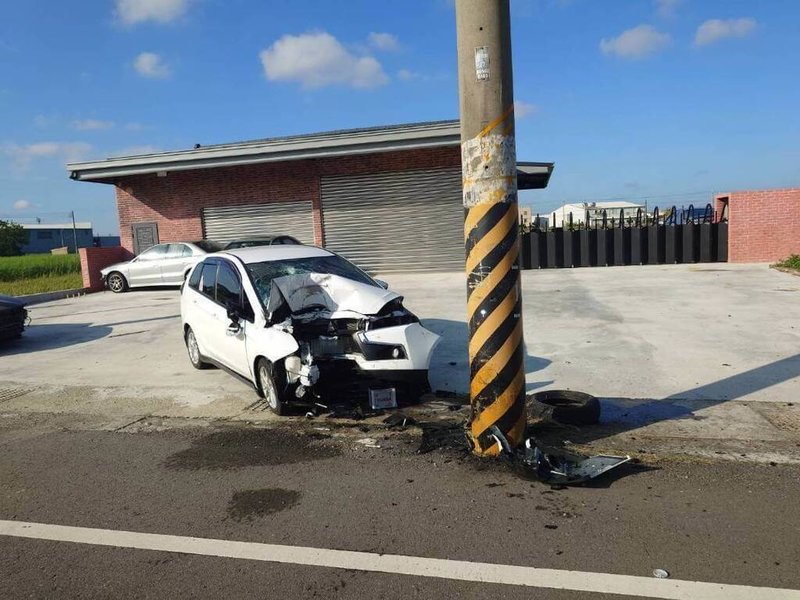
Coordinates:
(177, 259)
(229, 336)
(145, 269)
(220, 285)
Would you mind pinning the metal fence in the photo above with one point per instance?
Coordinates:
(674, 236)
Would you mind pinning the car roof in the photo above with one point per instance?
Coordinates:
(257, 254)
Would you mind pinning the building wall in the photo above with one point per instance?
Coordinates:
(175, 202)
(763, 226)
(58, 238)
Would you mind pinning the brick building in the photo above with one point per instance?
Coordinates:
(763, 226)
(388, 198)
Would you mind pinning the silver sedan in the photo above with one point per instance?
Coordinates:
(162, 264)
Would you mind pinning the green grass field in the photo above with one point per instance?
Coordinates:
(37, 273)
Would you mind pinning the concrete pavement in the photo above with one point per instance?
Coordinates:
(698, 359)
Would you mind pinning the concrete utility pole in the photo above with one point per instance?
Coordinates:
(489, 170)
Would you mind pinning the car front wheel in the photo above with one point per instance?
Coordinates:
(269, 387)
(116, 283)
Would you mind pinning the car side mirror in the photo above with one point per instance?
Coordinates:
(234, 311)
(382, 283)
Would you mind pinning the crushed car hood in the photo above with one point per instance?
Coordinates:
(323, 291)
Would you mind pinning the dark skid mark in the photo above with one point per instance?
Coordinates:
(237, 448)
(249, 504)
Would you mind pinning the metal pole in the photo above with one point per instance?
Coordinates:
(74, 230)
(489, 170)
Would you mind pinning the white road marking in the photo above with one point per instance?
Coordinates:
(626, 585)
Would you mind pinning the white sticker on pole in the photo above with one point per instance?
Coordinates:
(482, 63)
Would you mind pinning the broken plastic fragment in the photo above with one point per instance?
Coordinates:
(554, 466)
(660, 573)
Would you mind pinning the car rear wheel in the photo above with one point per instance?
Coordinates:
(194, 351)
(269, 387)
(117, 283)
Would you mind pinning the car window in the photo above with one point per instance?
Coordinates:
(194, 280)
(174, 250)
(229, 289)
(187, 251)
(209, 279)
(156, 252)
(264, 272)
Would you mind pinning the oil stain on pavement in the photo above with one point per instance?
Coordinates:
(248, 504)
(238, 448)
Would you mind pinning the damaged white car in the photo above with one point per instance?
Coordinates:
(304, 325)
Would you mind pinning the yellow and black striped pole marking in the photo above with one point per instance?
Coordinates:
(489, 170)
(497, 376)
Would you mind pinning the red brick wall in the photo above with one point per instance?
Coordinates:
(95, 259)
(175, 202)
(763, 226)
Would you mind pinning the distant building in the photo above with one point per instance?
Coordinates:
(43, 237)
(594, 212)
(525, 215)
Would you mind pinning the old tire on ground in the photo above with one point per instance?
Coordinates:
(564, 406)
(116, 282)
(194, 350)
(269, 386)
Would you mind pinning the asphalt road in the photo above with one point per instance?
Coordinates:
(299, 485)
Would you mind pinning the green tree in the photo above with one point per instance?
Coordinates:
(12, 237)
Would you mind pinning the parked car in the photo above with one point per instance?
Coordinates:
(267, 240)
(304, 325)
(13, 318)
(162, 264)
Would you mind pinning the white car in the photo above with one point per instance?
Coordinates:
(304, 325)
(162, 264)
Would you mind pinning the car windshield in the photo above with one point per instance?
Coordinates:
(264, 272)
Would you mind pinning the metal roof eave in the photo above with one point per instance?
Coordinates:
(112, 169)
(333, 144)
(534, 175)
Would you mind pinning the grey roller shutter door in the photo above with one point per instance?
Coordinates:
(397, 221)
(226, 223)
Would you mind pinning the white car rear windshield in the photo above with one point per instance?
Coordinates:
(264, 272)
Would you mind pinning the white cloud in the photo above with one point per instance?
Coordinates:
(524, 109)
(318, 59)
(131, 12)
(150, 64)
(23, 155)
(666, 8)
(638, 42)
(715, 30)
(21, 205)
(384, 41)
(91, 124)
(408, 75)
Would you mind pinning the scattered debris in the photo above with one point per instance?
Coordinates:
(564, 406)
(398, 420)
(660, 573)
(368, 442)
(555, 466)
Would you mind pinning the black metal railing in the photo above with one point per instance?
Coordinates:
(600, 239)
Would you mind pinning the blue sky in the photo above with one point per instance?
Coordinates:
(664, 100)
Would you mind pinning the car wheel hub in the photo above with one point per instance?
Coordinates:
(270, 395)
(194, 351)
(115, 282)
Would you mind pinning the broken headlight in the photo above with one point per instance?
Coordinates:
(373, 351)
